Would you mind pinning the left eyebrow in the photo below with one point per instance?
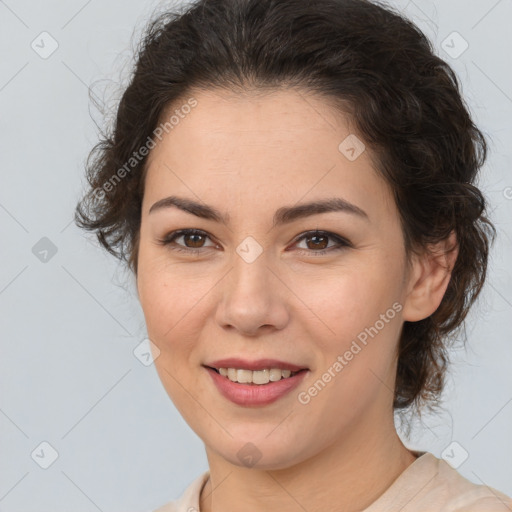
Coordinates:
(288, 214)
(283, 215)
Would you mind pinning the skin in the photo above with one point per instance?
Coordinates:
(248, 155)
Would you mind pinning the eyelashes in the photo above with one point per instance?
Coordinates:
(169, 240)
(318, 236)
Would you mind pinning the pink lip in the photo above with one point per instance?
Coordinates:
(260, 364)
(253, 394)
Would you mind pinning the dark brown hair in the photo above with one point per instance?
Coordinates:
(404, 101)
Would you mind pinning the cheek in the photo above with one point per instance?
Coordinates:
(357, 367)
(172, 313)
(169, 300)
(156, 304)
(358, 326)
(347, 300)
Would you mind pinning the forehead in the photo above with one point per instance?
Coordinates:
(259, 116)
(262, 146)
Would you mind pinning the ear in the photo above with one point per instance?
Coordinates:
(429, 275)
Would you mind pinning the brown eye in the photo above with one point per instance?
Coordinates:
(317, 242)
(193, 240)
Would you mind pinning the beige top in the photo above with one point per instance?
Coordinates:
(429, 484)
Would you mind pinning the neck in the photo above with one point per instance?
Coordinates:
(352, 472)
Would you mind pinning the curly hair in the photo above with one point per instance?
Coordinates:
(370, 62)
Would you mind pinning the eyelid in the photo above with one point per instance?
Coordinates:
(322, 232)
(171, 237)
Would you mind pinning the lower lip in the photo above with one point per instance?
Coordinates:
(255, 394)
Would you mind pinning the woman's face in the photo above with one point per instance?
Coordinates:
(247, 288)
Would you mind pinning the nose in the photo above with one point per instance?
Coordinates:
(254, 298)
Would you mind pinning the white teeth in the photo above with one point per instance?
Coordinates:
(275, 375)
(255, 377)
(244, 376)
(260, 376)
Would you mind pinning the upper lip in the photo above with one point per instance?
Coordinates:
(259, 364)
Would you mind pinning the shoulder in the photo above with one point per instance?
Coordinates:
(430, 484)
(462, 495)
(189, 500)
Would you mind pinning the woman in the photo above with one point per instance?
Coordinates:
(292, 185)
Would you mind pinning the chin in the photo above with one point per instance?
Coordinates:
(261, 453)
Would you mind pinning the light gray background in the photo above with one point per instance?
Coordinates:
(69, 324)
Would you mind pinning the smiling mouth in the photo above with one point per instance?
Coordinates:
(255, 377)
